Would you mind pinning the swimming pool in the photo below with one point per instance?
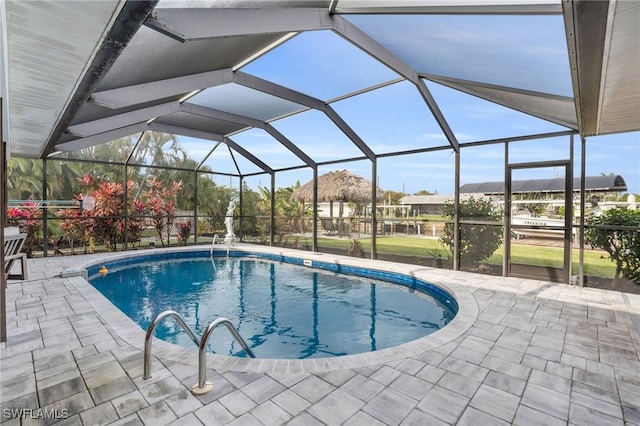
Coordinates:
(278, 313)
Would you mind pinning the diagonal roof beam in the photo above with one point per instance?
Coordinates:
(473, 7)
(121, 120)
(160, 89)
(359, 38)
(212, 23)
(289, 145)
(248, 121)
(274, 89)
(80, 143)
(189, 24)
(199, 134)
(492, 92)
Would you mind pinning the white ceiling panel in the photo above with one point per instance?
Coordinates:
(50, 45)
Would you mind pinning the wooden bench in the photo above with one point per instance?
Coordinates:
(12, 252)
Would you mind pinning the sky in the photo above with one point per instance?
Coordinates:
(525, 52)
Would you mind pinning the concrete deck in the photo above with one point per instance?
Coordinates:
(519, 352)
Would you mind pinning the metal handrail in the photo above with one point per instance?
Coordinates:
(213, 243)
(203, 386)
(148, 338)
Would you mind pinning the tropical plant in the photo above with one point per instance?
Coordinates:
(27, 218)
(77, 225)
(288, 212)
(355, 248)
(109, 212)
(185, 229)
(623, 245)
(161, 202)
(477, 241)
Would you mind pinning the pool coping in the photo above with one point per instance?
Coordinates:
(131, 332)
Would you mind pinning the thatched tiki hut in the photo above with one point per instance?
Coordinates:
(340, 185)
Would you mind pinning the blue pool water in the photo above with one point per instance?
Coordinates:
(281, 310)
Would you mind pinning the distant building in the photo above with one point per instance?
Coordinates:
(431, 204)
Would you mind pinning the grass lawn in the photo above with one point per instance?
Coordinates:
(596, 262)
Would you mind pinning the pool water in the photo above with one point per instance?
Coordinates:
(281, 310)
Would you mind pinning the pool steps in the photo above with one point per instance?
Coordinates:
(202, 387)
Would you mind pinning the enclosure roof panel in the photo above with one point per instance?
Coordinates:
(124, 67)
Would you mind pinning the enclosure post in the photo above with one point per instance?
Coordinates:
(374, 193)
(506, 236)
(314, 246)
(456, 217)
(3, 221)
(568, 215)
(45, 232)
(195, 206)
(126, 207)
(273, 210)
(241, 216)
(583, 167)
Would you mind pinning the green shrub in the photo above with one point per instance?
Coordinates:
(623, 245)
(477, 241)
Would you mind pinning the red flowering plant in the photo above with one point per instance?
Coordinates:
(161, 204)
(109, 212)
(27, 219)
(78, 226)
(135, 225)
(184, 231)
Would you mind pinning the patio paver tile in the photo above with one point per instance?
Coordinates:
(262, 389)
(546, 400)
(527, 416)
(412, 386)
(581, 415)
(183, 403)
(473, 417)
(129, 403)
(291, 402)
(496, 402)
(312, 388)
(270, 414)
(506, 383)
(157, 414)
(389, 406)
(214, 414)
(443, 404)
(363, 387)
(99, 415)
(336, 407)
(188, 420)
(237, 403)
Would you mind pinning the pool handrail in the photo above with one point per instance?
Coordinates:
(202, 386)
(148, 338)
(213, 243)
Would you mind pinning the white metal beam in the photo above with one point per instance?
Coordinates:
(199, 134)
(121, 120)
(145, 92)
(80, 143)
(553, 108)
(189, 24)
(220, 115)
(274, 89)
(247, 121)
(434, 7)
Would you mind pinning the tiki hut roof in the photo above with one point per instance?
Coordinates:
(339, 185)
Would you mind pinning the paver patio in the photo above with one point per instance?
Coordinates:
(527, 353)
